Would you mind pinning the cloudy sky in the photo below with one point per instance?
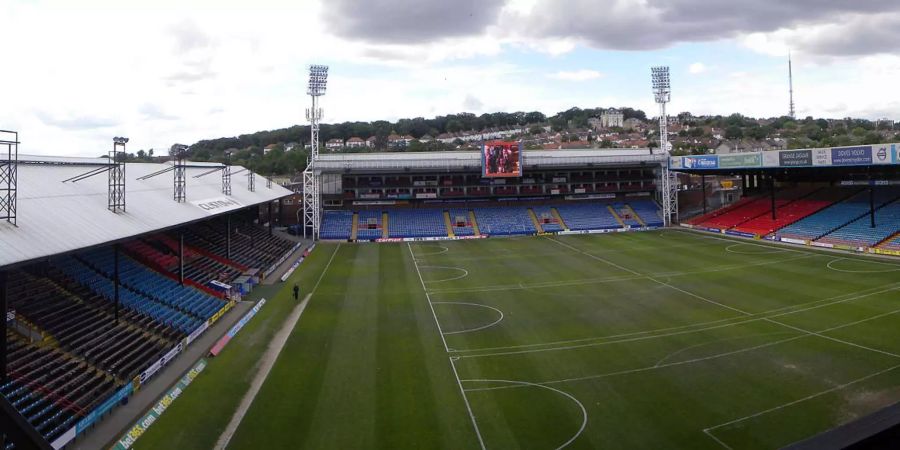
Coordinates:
(76, 73)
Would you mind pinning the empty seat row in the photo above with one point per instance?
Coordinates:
(414, 223)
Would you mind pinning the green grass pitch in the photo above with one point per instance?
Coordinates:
(667, 339)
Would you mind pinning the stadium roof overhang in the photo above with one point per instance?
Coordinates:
(464, 161)
(56, 217)
(881, 160)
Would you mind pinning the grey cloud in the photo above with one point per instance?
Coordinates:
(632, 25)
(81, 122)
(410, 21)
(472, 104)
(859, 36)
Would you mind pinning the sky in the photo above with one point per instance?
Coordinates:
(76, 73)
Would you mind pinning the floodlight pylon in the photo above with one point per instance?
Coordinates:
(318, 80)
(667, 185)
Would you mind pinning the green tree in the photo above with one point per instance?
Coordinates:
(734, 132)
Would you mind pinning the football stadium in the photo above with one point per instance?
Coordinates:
(501, 298)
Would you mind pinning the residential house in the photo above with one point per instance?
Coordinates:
(355, 142)
(269, 148)
(632, 124)
(334, 144)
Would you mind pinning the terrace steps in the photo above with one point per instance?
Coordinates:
(559, 219)
(474, 223)
(384, 225)
(635, 215)
(615, 215)
(354, 226)
(887, 239)
(448, 224)
(534, 220)
(777, 207)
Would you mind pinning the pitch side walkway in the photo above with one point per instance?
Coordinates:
(110, 428)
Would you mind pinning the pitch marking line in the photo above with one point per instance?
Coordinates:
(897, 268)
(584, 413)
(822, 252)
(705, 358)
(768, 319)
(268, 361)
(472, 304)
(447, 349)
(730, 249)
(444, 250)
(600, 280)
(709, 431)
(465, 273)
(691, 347)
(698, 297)
(738, 321)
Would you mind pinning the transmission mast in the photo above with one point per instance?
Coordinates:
(312, 209)
(792, 112)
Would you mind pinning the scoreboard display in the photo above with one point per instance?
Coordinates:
(501, 159)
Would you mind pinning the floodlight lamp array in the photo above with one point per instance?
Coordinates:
(318, 79)
(120, 140)
(662, 87)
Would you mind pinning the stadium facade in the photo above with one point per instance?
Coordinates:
(100, 296)
(440, 195)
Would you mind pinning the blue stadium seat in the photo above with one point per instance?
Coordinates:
(336, 225)
(366, 217)
(835, 216)
(649, 212)
(463, 214)
(546, 212)
(415, 223)
(504, 221)
(587, 216)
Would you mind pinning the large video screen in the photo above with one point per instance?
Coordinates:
(501, 159)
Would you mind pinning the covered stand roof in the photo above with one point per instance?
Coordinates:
(55, 217)
(471, 160)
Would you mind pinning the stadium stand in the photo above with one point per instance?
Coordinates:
(791, 212)
(55, 382)
(891, 243)
(413, 223)
(835, 216)
(251, 245)
(860, 232)
(756, 207)
(336, 224)
(161, 252)
(648, 211)
(461, 216)
(713, 214)
(587, 216)
(504, 221)
(162, 298)
(547, 220)
(369, 225)
(626, 214)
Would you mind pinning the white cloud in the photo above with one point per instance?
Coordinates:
(161, 72)
(697, 68)
(576, 75)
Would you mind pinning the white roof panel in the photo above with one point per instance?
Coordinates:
(55, 217)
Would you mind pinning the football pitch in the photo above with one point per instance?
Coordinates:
(663, 339)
